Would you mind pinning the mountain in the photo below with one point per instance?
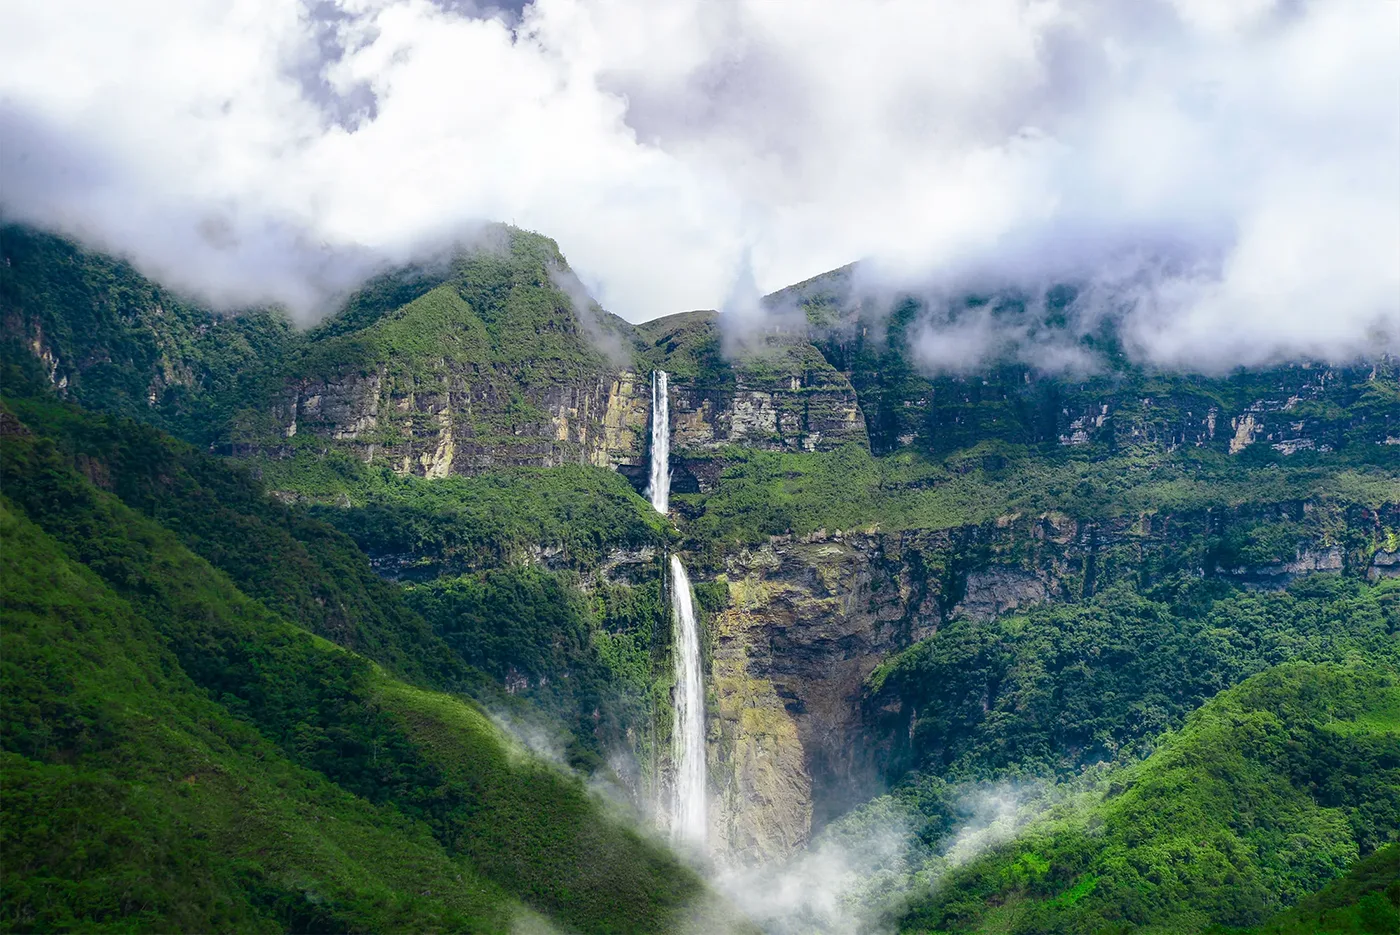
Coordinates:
(251, 773)
(1255, 802)
(912, 582)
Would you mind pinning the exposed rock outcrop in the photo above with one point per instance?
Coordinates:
(792, 415)
(1384, 564)
(807, 622)
(992, 591)
(808, 619)
(471, 424)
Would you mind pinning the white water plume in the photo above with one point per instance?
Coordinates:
(688, 721)
(688, 821)
(659, 489)
(857, 875)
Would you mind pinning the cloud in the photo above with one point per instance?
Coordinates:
(271, 150)
(590, 317)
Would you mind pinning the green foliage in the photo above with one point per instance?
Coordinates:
(494, 309)
(688, 347)
(1061, 687)
(765, 493)
(1364, 900)
(132, 801)
(120, 343)
(588, 662)
(444, 784)
(1130, 407)
(436, 325)
(1258, 800)
(309, 573)
(299, 567)
(417, 528)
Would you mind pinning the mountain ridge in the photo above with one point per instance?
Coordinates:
(852, 521)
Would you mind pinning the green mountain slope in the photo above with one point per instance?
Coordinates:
(300, 568)
(117, 342)
(133, 801)
(471, 373)
(1268, 792)
(1365, 899)
(1055, 689)
(306, 571)
(428, 764)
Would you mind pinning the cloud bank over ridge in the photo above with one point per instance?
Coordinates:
(1232, 170)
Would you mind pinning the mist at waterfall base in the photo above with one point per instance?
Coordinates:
(857, 874)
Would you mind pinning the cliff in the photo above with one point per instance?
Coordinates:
(797, 737)
(839, 502)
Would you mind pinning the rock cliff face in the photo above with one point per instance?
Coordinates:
(777, 393)
(809, 619)
(1290, 410)
(466, 424)
(488, 362)
(776, 415)
(911, 400)
(602, 419)
(806, 623)
(444, 416)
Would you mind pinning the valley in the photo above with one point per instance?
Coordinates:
(377, 625)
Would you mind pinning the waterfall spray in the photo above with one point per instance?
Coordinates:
(688, 821)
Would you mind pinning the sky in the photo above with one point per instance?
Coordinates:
(1228, 171)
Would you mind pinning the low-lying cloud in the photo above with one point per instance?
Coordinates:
(274, 151)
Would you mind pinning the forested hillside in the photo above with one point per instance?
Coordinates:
(202, 763)
(367, 627)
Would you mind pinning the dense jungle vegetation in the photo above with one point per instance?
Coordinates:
(138, 673)
(259, 677)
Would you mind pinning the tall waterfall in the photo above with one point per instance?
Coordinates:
(660, 487)
(688, 721)
(688, 822)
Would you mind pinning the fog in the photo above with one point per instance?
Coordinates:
(855, 877)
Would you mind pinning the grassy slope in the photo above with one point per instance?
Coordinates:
(1264, 795)
(425, 760)
(497, 322)
(459, 524)
(770, 493)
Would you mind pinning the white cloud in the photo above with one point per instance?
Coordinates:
(251, 149)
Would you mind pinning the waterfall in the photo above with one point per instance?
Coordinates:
(688, 822)
(660, 487)
(688, 720)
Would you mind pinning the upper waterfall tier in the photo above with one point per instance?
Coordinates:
(659, 489)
